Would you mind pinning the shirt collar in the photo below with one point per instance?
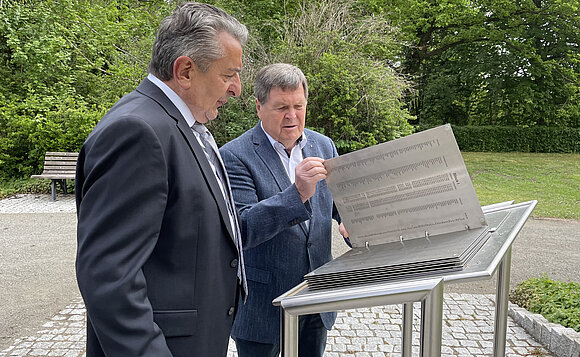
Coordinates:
(174, 98)
(301, 142)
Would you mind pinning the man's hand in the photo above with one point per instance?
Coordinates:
(343, 232)
(308, 173)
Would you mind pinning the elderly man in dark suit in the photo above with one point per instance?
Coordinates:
(277, 175)
(159, 260)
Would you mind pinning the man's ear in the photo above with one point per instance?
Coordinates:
(184, 70)
(258, 107)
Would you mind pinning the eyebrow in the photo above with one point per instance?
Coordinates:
(282, 104)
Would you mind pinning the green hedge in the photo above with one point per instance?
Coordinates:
(511, 138)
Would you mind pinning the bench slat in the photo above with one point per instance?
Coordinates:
(54, 177)
(60, 153)
(57, 171)
(61, 158)
(60, 163)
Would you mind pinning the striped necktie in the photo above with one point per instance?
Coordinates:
(211, 153)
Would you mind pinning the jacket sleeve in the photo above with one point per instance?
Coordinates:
(121, 197)
(262, 219)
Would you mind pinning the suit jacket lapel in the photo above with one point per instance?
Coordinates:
(310, 149)
(266, 152)
(151, 90)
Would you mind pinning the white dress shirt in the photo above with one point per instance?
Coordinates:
(289, 161)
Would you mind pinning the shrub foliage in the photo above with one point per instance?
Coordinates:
(557, 301)
(511, 138)
(355, 96)
(64, 63)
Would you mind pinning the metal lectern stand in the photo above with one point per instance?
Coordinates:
(494, 256)
(428, 291)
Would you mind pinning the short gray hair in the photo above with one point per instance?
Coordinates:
(283, 75)
(191, 30)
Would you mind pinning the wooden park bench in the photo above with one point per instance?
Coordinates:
(58, 167)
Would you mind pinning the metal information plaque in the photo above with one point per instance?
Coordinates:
(395, 273)
(416, 258)
(412, 187)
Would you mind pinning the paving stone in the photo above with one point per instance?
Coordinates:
(467, 327)
(64, 335)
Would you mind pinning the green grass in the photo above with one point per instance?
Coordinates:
(552, 179)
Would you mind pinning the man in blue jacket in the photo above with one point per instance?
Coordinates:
(277, 175)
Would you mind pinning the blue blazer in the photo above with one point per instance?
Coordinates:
(278, 247)
(156, 261)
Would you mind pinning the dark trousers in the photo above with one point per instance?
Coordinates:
(311, 341)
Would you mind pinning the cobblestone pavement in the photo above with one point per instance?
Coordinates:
(370, 332)
(38, 204)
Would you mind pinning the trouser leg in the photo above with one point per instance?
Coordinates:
(247, 348)
(311, 336)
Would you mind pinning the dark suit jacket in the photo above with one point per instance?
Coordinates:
(278, 248)
(156, 263)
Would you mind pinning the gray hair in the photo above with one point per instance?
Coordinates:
(283, 75)
(191, 30)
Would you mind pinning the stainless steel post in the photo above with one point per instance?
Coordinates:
(501, 304)
(407, 349)
(289, 334)
(431, 322)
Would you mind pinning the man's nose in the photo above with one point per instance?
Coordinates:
(235, 88)
(290, 113)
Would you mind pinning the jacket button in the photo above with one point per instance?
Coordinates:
(231, 311)
(234, 263)
(309, 244)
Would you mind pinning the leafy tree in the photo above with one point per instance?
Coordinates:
(495, 62)
(62, 65)
(356, 97)
(263, 18)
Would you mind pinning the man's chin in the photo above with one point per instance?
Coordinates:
(211, 116)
